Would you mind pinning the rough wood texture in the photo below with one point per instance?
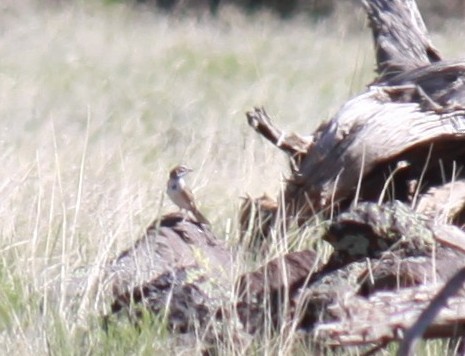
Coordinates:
(397, 52)
(378, 249)
(178, 269)
(384, 316)
(268, 290)
(371, 139)
(360, 297)
(427, 316)
(182, 295)
(286, 272)
(172, 243)
(408, 125)
(444, 204)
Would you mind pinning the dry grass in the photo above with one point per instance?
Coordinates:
(97, 103)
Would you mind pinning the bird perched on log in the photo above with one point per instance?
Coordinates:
(181, 195)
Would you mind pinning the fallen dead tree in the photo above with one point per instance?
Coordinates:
(401, 140)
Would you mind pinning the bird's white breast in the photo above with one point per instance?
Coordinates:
(175, 192)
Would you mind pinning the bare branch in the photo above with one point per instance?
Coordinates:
(293, 144)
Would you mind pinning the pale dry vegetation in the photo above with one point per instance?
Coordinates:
(97, 103)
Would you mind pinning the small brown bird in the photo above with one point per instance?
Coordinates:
(181, 195)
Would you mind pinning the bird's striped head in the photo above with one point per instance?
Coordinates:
(179, 171)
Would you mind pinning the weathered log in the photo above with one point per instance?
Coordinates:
(399, 253)
(395, 236)
(450, 235)
(374, 142)
(378, 248)
(174, 242)
(178, 270)
(362, 279)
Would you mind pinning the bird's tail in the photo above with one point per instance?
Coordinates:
(200, 217)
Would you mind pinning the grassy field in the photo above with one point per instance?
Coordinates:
(97, 103)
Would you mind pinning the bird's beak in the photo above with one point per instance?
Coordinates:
(185, 172)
